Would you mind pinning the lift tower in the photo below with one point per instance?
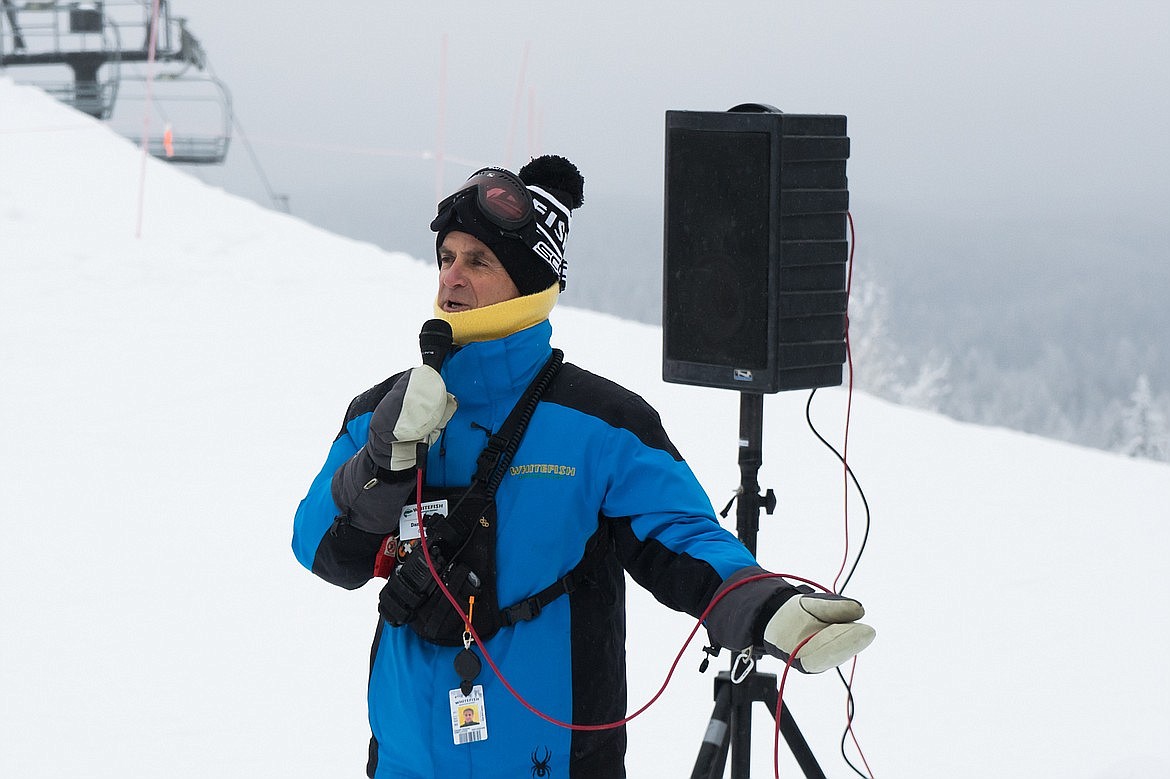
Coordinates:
(105, 45)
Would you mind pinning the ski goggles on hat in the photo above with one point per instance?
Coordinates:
(505, 205)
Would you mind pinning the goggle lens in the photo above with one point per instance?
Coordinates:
(504, 201)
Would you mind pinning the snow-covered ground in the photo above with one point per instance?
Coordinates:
(166, 398)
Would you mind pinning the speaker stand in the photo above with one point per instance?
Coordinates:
(730, 728)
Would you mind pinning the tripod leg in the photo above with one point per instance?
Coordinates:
(713, 753)
(795, 740)
(741, 732)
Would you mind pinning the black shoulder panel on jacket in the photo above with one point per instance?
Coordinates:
(610, 402)
(367, 401)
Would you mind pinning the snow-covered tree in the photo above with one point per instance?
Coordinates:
(930, 387)
(1144, 431)
(882, 366)
(877, 362)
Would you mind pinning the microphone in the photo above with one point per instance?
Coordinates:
(434, 341)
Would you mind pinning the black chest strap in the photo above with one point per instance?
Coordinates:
(494, 460)
(596, 549)
(462, 543)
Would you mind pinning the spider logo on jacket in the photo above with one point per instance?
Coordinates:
(540, 766)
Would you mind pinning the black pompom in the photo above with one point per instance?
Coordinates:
(558, 176)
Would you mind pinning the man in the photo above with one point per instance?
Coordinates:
(468, 718)
(593, 488)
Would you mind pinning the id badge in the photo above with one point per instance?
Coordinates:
(408, 532)
(468, 716)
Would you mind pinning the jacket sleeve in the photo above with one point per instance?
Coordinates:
(669, 540)
(323, 539)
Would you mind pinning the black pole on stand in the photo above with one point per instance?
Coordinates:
(729, 731)
(751, 457)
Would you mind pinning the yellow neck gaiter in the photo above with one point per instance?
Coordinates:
(500, 319)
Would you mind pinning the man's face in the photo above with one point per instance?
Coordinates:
(470, 275)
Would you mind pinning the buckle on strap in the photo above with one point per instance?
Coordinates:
(489, 459)
(523, 611)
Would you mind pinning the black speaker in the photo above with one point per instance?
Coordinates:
(755, 249)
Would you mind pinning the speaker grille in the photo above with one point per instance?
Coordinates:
(720, 272)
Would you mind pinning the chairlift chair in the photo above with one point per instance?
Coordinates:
(106, 45)
(190, 119)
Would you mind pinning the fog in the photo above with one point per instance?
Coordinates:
(964, 118)
(1008, 173)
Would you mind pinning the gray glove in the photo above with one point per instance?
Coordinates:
(414, 411)
(373, 485)
(831, 617)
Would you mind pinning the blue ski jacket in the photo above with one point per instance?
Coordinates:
(595, 456)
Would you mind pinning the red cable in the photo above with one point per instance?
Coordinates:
(515, 694)
(780, 706)
(848, 402)
(849, 719)
(845, 469)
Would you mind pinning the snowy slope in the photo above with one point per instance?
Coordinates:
(165, 400)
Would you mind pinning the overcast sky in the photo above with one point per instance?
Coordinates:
(961, 107)
(980, 111)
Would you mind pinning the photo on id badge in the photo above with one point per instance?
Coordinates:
(468, 719)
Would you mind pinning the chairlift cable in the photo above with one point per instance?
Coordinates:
(279, 202)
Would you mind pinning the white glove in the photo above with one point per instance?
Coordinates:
(415, 410)
(831, 617)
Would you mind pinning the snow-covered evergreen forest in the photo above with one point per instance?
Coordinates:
(941, 318)
(1077, 352)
